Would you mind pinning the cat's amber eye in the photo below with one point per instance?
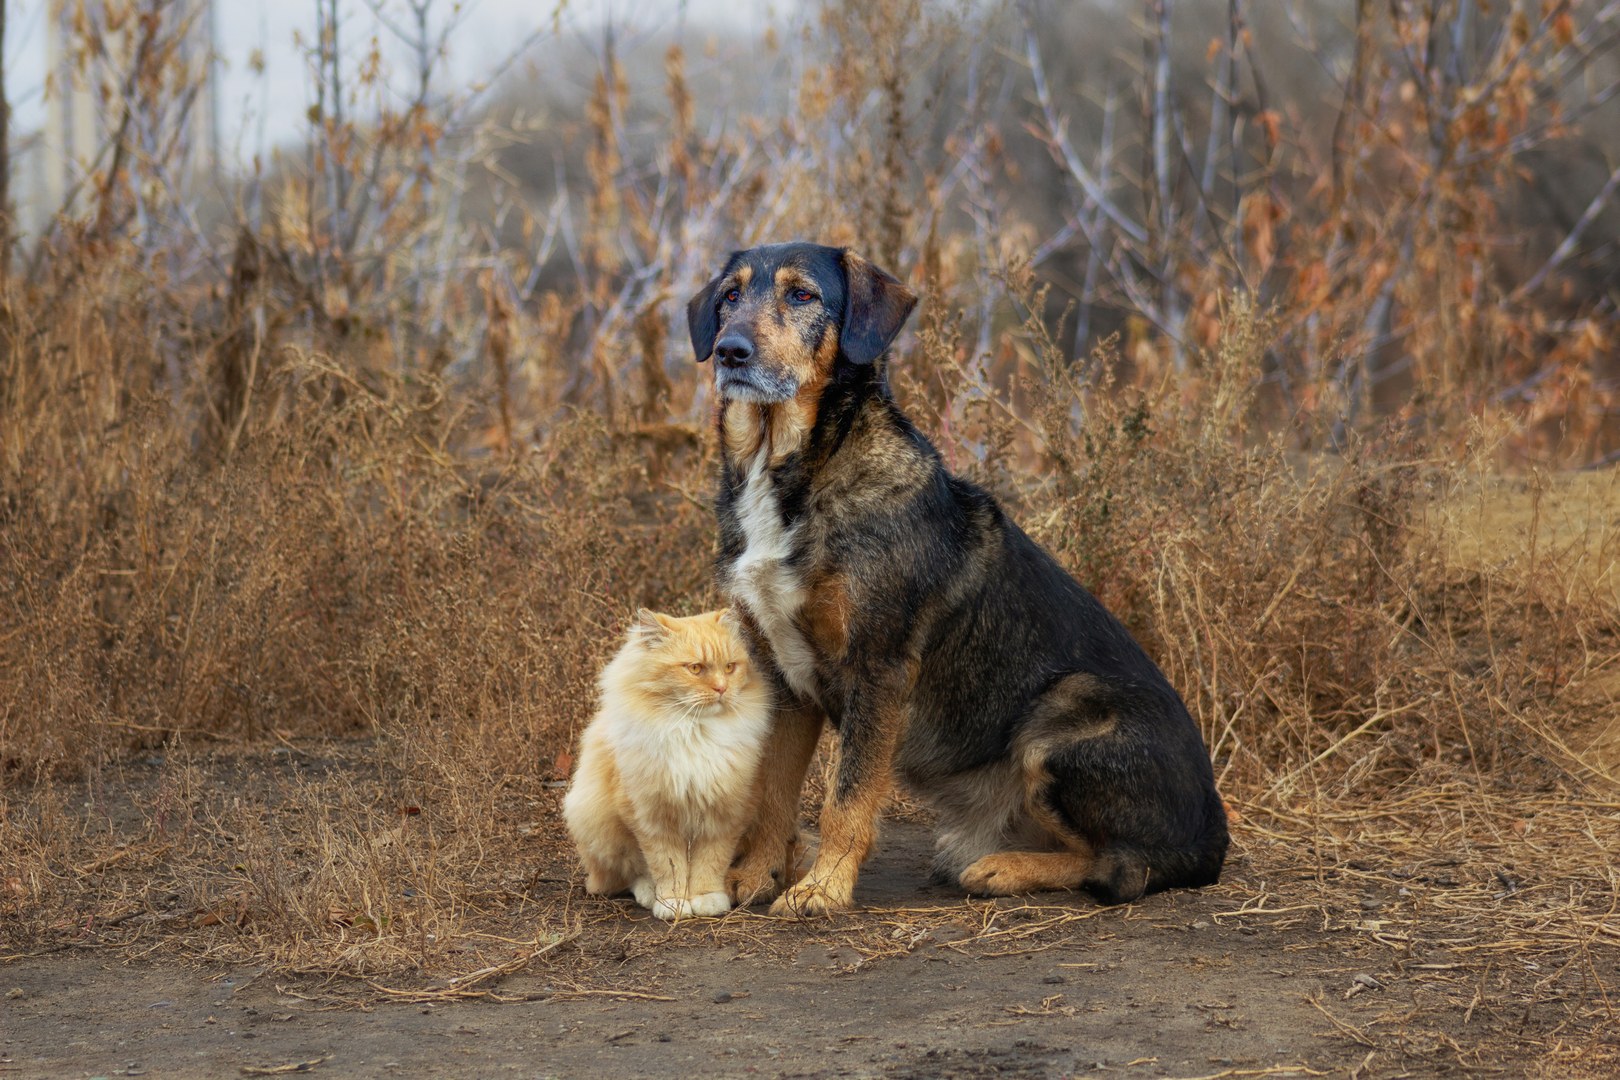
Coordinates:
(696, 669)
(731, 669)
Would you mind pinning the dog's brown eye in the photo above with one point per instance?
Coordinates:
(732, 296)
(802, 296)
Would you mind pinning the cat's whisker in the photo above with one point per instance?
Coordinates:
(693, 705)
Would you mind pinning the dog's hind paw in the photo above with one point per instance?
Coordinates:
(1009, 873)
(991, 877)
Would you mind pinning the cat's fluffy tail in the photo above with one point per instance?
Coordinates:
(606, 846)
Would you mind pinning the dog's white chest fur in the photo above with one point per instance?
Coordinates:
(762, 581)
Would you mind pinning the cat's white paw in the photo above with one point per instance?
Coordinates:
(644, 892)
(710, 903)
(670, 908)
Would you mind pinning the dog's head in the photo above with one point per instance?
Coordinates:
(780, 317)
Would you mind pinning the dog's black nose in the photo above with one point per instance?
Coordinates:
(733, 350)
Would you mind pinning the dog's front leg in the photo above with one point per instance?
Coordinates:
(868, 734)
(770, 847)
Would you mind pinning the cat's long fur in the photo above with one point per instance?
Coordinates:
(665, 782)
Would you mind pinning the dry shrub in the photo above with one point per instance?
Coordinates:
(1315, 610)
(343, 568)
(1381, 699)
(347, 568)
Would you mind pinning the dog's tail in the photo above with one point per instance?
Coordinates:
(1123, 873)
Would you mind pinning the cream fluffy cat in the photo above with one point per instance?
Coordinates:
(665, 782)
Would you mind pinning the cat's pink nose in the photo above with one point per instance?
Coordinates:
(718, 687)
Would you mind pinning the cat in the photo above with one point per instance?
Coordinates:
(665, 782)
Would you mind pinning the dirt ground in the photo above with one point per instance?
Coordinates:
(1190, 984)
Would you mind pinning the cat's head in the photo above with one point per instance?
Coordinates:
(697, 665)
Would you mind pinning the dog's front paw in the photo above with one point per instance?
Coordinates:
(754, 881)
(811, 898)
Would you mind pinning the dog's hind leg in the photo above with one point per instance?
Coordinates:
(980, 813)
(1008, 873)
(1121, 770)
(1123, 822)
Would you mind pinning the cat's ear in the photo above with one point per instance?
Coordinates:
(649, 627)
(728, 618)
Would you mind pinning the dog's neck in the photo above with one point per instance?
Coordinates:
(753, 433)
(812, 423)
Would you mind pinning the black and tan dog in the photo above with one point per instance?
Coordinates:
(899, 603)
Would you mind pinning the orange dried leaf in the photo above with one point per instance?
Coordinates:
(1272, 122)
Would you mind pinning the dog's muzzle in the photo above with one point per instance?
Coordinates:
(733, 351)
(742, 376)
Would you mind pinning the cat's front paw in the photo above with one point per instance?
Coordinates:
(709, 904)
(644, 892)
(704, 905)
(672, 908)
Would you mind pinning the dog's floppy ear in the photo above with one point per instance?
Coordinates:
(702, 320)
(875, 308)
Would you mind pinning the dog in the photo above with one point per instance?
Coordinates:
(901, 605)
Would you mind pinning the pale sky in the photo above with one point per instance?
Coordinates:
(261, 112)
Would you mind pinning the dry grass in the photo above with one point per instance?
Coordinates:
(325, 732)
(301, 604)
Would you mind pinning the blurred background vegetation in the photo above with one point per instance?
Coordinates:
(1426, 191)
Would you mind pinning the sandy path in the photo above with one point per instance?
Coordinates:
(1162, 989)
